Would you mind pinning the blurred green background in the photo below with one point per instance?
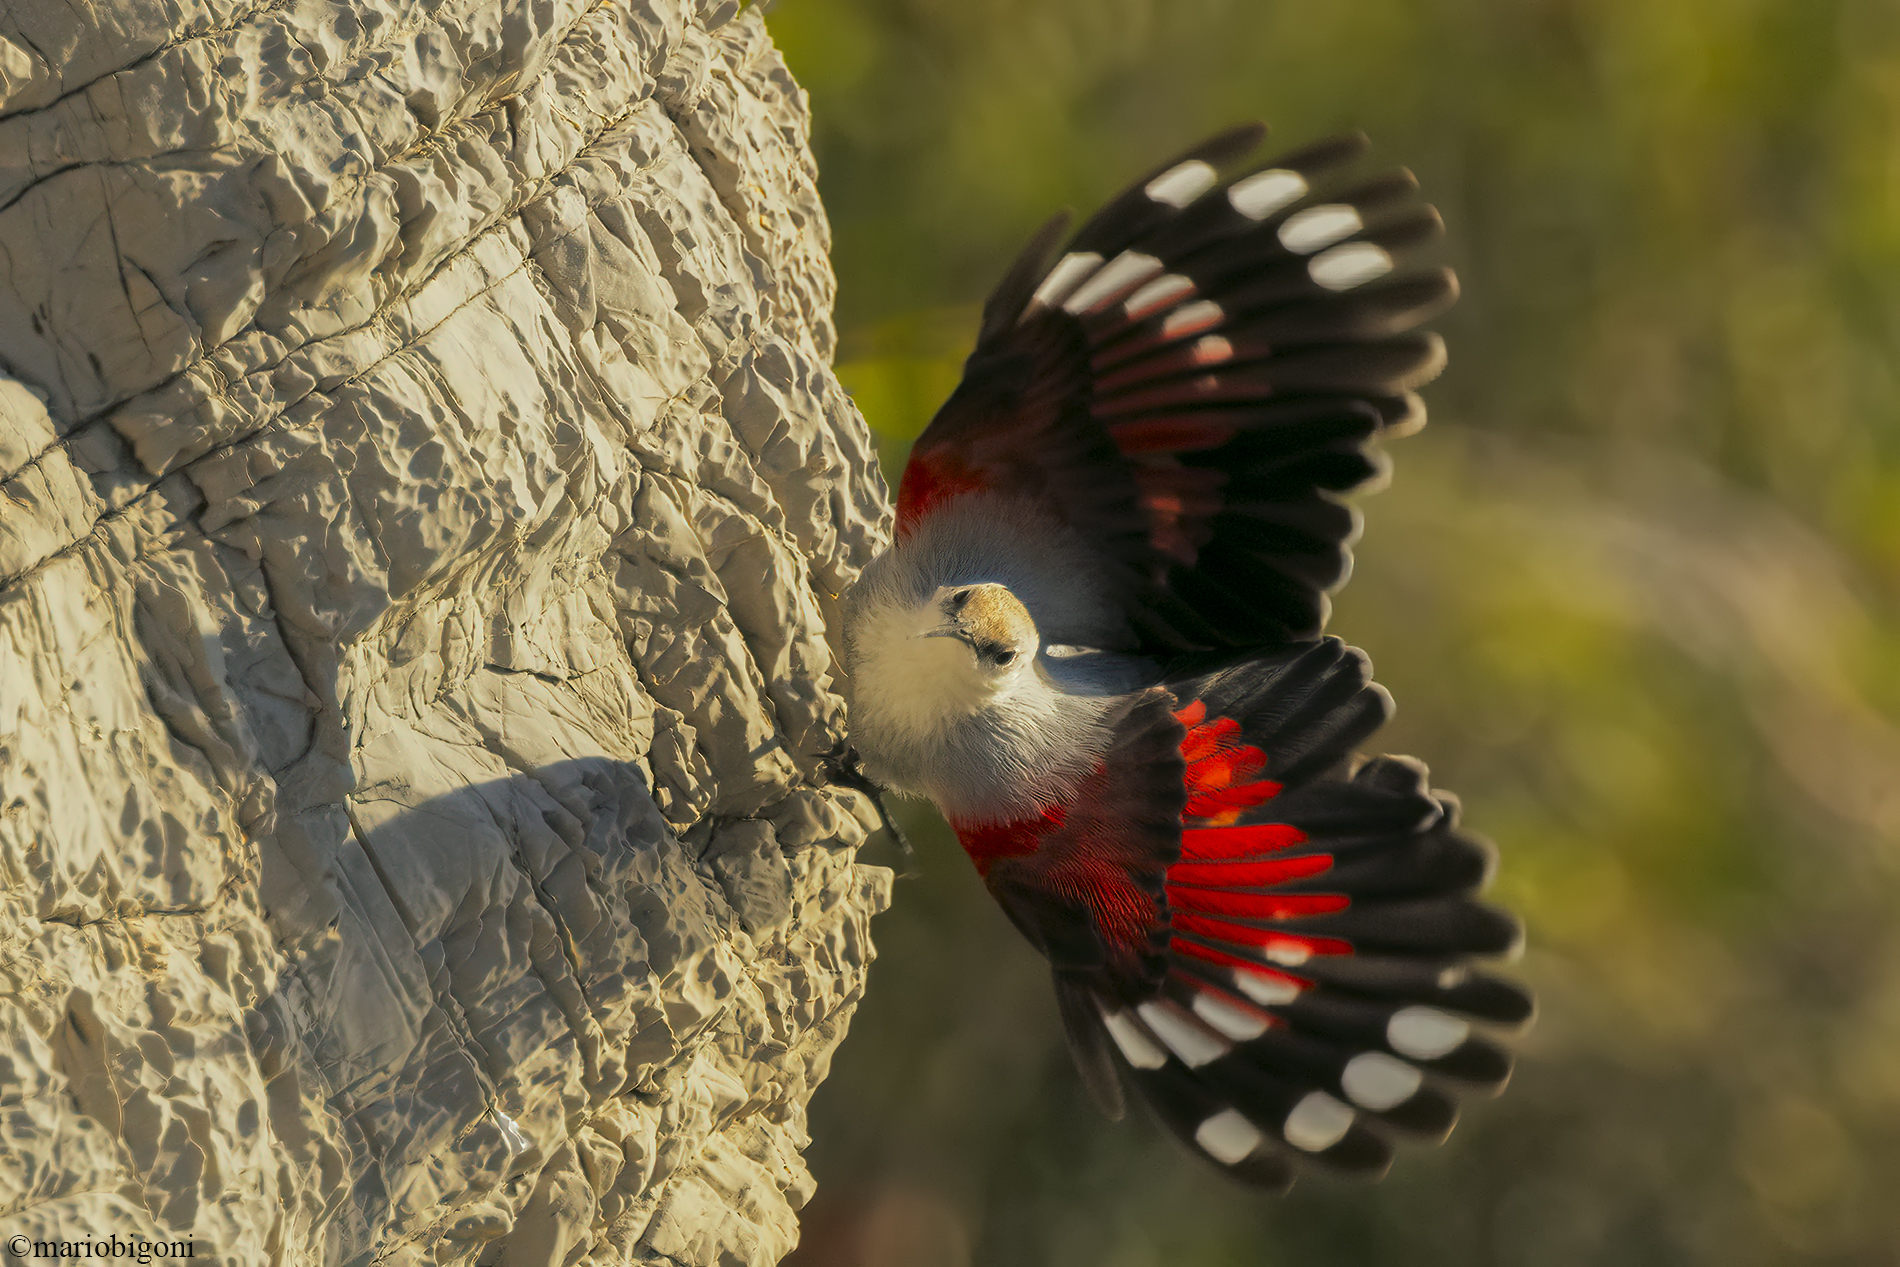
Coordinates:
(1636, 590)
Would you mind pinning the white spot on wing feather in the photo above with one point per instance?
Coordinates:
(1307, 231)
(1378, 1082)
(1194, 1045)
(1263, 193)
(1124, 272)
(1317, 1122)
(1237, 1023)
(1157, 295)
(1350, 265)
(1192, 318)
(1228, 1137)
(1290, 953)
(1181, 184)
(1212, 350)
(1264, 990)
(1069, 272)
(1136, 1047)
(1425, 1033)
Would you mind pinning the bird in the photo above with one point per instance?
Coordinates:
(1097, 644)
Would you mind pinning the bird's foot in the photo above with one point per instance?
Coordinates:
(844, 768)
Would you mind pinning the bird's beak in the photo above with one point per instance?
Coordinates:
(951, 629)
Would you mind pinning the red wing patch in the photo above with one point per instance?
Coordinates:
(1123, 914)
(1248, 963)
(1175, 434)
(1180, 503)
(1221, 770)
(1008, 840)
(1253, 875)
(1223, 888)
(1012, 427)
(1224, 844)
(1086, 880)
(931, 478)
(1246, 905)
(1289, 947)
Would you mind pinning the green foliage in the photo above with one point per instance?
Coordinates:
(1636, 589)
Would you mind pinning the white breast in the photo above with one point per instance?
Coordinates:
(927, 723)
(907, 686)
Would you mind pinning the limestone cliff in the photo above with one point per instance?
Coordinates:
(422, 490)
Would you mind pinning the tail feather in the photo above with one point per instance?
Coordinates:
(1088, 1046)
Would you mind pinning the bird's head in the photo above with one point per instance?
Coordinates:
(992, 638)
(923, 665)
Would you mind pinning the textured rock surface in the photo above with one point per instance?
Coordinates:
(421, 492)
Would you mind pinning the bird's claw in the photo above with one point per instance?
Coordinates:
(844, 768)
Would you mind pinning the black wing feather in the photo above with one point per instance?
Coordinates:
(1319, 1002)
(1194, 381)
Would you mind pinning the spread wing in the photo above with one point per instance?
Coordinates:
(1282, 969)
(1194, 381)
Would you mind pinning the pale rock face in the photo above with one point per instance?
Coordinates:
(422, 496)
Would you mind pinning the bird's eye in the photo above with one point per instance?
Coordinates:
(1004, 657)
(959, 598)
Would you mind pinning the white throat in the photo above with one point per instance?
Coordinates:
(914, 686)
(930, 720)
